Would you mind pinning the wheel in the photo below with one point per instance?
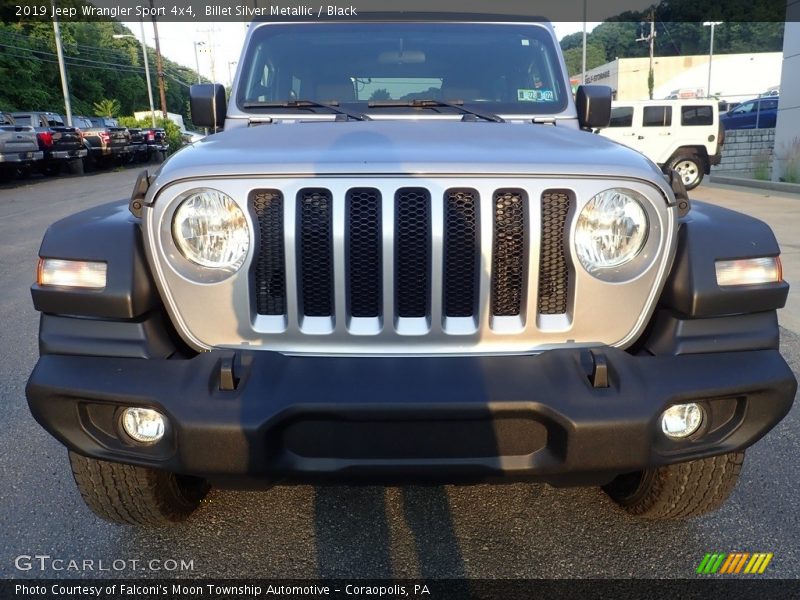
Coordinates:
(75, 167)
(678, 491)
(135, 495)
(690, 168)
(159, 156)
(24, 172)
(52, 168)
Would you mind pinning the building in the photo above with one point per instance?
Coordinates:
(734, 77)
(786, 161)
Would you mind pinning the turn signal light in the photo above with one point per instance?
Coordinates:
(749, 271)
(71, 273)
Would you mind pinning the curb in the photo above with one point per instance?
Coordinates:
(778, 186)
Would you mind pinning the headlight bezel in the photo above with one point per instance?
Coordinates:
(641, 260)
(184, 265)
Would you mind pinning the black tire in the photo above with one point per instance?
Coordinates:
(75, 167)
(159, 156)
(679, 491)
(52, 168)
(690, 167)
(24, 172)
(136, 495)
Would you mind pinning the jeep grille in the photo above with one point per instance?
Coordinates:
(395, 265)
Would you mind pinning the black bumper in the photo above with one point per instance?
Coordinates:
(475, 418)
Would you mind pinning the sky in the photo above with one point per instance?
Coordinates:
(226, 39)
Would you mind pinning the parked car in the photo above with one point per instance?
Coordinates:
(139, 150)
(19, 149)
(156, 141)
(105, 141)
(684, 135)
(190, 137)
(758, 113)
(62, 145)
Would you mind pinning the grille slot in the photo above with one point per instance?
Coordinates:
(460, 253)
(553, 268)
(270, 274)
(412, 251)
(508, 253)
(364, 252)
(314, 208)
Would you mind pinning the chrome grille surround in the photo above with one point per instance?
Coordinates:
(224, 314)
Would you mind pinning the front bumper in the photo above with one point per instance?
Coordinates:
(456, 418)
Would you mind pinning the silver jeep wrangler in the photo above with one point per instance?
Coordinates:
(407, 257)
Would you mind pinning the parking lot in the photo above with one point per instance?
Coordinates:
(511, 531)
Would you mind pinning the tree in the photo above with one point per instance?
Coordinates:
(106, 108)
(380, 94)
(595, 56)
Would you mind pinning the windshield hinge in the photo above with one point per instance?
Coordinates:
(544, 120)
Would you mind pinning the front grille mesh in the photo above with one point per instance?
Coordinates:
(460, 253)
(508, 253)
(316, 253)
(411, 272)
(270, 275)
(553, 268)
(412, 251)
(364, 252)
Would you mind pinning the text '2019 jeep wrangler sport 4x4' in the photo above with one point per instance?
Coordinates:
(407, 258)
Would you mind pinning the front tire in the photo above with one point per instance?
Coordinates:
(690, 168)
(136, 495)
(678, 491)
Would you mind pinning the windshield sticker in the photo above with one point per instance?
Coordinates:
(535, 95)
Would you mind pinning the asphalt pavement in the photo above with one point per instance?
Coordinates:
(508, 531)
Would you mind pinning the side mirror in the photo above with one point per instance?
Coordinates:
(594, 106)
(208, 106)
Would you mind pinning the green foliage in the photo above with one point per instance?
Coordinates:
(98, 67)
(617, 39)
(106, 108)
(380, 94)
(595, 56)
(173, 132)
(791, 162)
(761, 168)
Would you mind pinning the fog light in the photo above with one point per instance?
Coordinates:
(681, 420)
(144, 425)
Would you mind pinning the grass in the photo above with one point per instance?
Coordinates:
(761, 166)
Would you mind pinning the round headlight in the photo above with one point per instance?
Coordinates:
(211, 230)
(611, 229)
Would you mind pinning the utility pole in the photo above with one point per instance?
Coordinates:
(583, 56)
(147, 75)
(651, 39)
(61, 66)
(197, 60)
(711, 24)
(159, 65)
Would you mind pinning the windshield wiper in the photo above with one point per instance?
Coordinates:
(331, 106)
(431, 103)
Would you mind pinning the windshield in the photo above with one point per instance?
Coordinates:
(501, 68)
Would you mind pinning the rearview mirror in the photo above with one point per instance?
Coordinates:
(594, 106)
(208, 106)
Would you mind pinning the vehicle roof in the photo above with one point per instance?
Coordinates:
(414, 16)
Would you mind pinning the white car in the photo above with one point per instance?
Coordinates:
(683, 134)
